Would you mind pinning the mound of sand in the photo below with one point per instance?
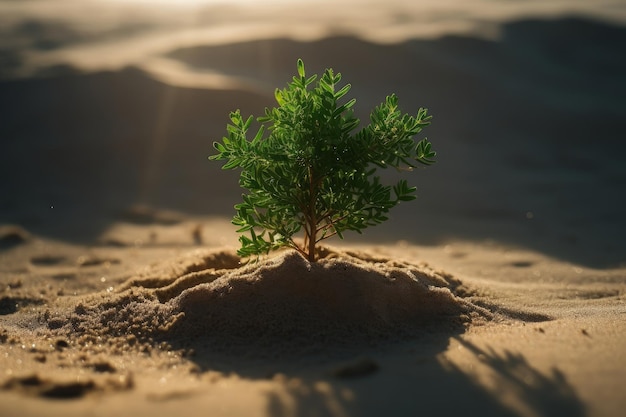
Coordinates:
(284, 301)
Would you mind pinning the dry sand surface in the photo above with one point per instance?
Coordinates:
(364, 331)
(501, 291)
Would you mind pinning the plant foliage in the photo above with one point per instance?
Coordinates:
(309, 168)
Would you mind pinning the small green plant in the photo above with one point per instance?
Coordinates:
(307, 169)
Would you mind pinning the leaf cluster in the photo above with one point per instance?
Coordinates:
(308, 168)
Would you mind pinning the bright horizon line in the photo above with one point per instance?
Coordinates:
(193, 2)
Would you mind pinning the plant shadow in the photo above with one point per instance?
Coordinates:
(422, 383)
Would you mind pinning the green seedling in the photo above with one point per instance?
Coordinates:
(309, 168)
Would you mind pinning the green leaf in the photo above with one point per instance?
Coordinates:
(247, 124)
(343, 91)
(424, 153)
(301, 68)
(259, 134)
(344, 107)
(233, 163)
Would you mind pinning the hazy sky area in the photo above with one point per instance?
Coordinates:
(110, 34)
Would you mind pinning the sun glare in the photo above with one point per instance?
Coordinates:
(189, 2)
(168, 2)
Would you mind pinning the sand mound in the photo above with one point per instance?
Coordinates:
(335, 300)
(344, 298)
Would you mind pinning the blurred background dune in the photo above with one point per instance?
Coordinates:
(106, 105)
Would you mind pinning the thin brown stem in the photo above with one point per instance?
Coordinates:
(297, 248)
(311, 218)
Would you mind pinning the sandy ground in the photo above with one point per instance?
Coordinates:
(499, 292)
(516, 333)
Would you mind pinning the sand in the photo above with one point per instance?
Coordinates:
(500, 291)
(361, 331)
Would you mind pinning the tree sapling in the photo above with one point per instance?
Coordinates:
(307, 168)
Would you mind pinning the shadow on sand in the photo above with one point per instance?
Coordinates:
(405, 379)
(424, 384)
